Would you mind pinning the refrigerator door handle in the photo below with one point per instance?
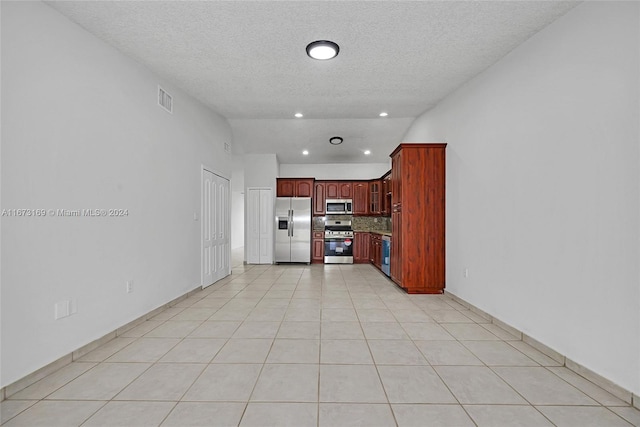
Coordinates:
(290, 228)
(291, 222)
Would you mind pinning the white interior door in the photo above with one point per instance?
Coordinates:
(208, 225)
(266, 226)
(223, 242)
(216, 247)
(253, 226)
(259, 233)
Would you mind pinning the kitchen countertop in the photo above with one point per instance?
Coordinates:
(384, 233)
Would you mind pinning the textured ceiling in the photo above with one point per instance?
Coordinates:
(246, 60)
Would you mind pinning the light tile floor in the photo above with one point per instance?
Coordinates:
(315, 346)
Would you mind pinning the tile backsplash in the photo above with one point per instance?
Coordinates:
(318, 221)
(371, 223)
(359, 223)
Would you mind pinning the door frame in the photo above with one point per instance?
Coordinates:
(214, 171)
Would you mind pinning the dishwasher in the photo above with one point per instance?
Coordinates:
(386, 255)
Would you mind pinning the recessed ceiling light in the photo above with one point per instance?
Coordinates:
(298, 115)
(383, 114)
(305, 152)
(322, 49)
(367, 152)
(336, 140)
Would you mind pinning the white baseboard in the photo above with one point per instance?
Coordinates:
(597, 379)
(50, 368)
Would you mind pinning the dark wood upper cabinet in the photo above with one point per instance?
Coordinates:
(332, 190)
(385, 198)
(360, 198)
(418, 217)
(396, 181)
(285, 187)
(319, 198)
(345, 190)
(375, 197)
(304, 187)
(339, 190)
(294, 187)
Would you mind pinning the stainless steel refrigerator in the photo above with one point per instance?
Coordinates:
(293, 229)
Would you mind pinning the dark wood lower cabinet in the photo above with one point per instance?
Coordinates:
(394, 263)
(361, 248)
(375, 251)
(372, 247)
(317, 248)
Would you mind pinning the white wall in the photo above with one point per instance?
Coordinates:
(543, 188)
(330, 171)
(237, 203)
(260, 170)
(82, 129)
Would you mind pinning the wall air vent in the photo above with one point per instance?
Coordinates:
(165, 100)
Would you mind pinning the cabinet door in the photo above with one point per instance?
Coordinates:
(361, 248)
(317, 255)
(304, 188)
(386, 184)
(285, 187)
(374, 197)
(385, 197)
(396, 179)
(372, 246)
(396, 245)
(357, 252)
(360, 198)
(346, 190)
(319, 198)
(332, 189)
(366, 243)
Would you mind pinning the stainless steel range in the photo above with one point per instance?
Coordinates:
(338, 242)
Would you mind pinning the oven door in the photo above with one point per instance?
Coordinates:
(338, 250)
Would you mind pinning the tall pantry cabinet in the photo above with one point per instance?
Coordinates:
(418, 217)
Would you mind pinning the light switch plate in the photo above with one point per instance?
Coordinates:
(61, 309)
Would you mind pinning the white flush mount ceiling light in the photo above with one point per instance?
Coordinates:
(322, 49)
(298, 115)
(383, 114)
(367, 152)
(305, 152)
(336, 140)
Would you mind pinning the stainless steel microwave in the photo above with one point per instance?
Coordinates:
(339, 207)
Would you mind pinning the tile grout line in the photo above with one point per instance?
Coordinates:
(355, 292)
(384, 390)
(253, 389)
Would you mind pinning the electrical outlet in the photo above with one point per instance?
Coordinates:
(61, 309)
(465, 273)
(129, 286)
